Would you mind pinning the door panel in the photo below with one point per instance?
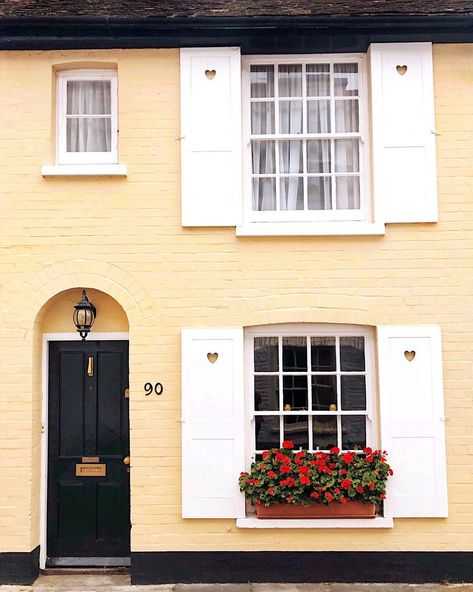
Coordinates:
(88, 417)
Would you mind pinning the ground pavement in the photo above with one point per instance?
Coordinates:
(121, 583)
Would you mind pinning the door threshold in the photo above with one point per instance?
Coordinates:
(92, 571)
(99, 563)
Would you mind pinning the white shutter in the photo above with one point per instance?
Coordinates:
(405, 183)
(212, 423)
(211, 136)
(412, 420)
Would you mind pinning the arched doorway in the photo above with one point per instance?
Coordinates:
(86, 485)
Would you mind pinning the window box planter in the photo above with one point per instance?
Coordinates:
(302, 484)
(351, 509)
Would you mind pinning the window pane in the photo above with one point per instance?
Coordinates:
(318, 80)
(324, 429)
(266, 393)
(290, 156)
(267, 432)
(353, 431)
(323, 354)
(353, 393)
(348, 193)
(318, 117)
(264, 194)
(352, 354)
(266, 354)
(296, 428)
(292, 193)
(295, 393)
(324, 393)
(290, 117)
(263, 157)
(290, 80)
(89, 97)
(346, 116)
(262, 81)
(319, 191)
(318, 156)
(87, 134)
(262, 118)
(294, 354)
(347, 156)
(346, 79)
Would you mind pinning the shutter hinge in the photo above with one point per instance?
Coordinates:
(127, 393)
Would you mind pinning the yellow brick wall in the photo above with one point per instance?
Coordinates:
(123, 237)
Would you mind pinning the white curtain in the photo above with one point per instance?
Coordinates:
(89, 134)
(290, 152)
(319, 121)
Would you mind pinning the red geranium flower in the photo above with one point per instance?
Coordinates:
(304, 480)
(288, 444)
(285, 469)
(391, 472)
(271, 490)
(371, 485)
(289, 499)
(314, 495)
(265, 454)
(346, 483)
(328, 496)
(271, 474)
(360, 489)
(343, 472)
(343, 500)
(367, 450)
(337, 490)
(282, 458)
(334, 450)
(303, 470)
(348, 457)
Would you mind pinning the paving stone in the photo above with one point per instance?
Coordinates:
(212, 588)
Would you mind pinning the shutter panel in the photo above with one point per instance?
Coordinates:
(405, 183)
(211, 136)
(412, 420)
(212, 423)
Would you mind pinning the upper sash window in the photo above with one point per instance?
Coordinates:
(87, 117)
(306, 138)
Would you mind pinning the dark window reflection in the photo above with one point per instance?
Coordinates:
(267, 431)
(295, 393)
(353, 393)
(296, 429)
(353, 431)
(324, 432)
(266, 354)
(266, 393)
(323, 354)
(294, 354)
(352, 354)
(324, 393)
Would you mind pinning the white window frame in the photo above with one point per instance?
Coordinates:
(362, 215)
(312, 330)
(90, 158)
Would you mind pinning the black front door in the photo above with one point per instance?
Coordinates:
(88, 511)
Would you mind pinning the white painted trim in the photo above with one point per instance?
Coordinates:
(311, 229)
(80, 170)
(378, 522)
(47, 337)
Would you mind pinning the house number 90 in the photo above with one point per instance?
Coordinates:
(156, 388)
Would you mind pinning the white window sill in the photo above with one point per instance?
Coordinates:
(378, 522)
(311, 229)
(84, 170)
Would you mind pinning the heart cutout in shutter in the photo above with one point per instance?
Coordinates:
(210, 74)
(212, 358)
(401, 70)
(409, 355)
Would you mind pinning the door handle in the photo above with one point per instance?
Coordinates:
(126, 460)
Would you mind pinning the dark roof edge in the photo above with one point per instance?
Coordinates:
(249, 32)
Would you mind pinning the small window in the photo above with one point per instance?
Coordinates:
(312, 387)
(87, 117)
(306, 135)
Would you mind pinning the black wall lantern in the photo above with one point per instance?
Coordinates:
(84, 315)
